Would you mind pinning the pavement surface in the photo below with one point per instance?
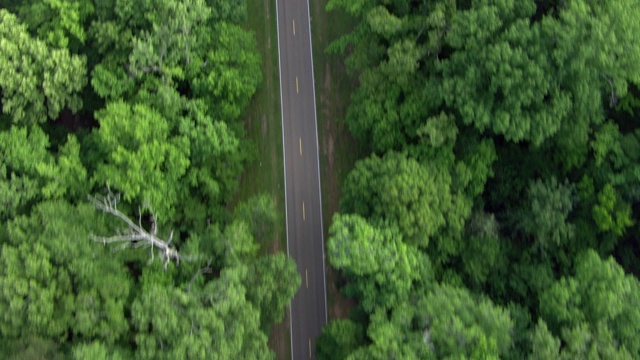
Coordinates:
(302, 175)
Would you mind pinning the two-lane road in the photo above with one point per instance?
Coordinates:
(302, 174)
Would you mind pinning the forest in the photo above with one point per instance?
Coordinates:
(119, 124)
(495, 215)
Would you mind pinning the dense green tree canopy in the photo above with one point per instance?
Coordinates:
(504, 142)
(383, 268)
(29, 172)
(55, 283)
(396, 188)
(142, 161)
(37, 81)
(141, 98)
(595, 307)
(215, 321)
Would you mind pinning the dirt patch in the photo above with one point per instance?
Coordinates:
(326, 105)
(341, 305)
(336, 146)
(276, 247)
(330, 152)
(280, 344)
(264, 125)
(327, 79)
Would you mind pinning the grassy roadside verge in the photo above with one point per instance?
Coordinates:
(263, 126)
(338, 150)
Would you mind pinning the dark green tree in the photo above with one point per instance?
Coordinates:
(57, 284)
(339, 338)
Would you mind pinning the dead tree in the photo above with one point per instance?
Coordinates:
(134, 235)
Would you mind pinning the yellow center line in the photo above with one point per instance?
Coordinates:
(300, 140)
(294, 27)
(303, 217)
(306, 274)
(297, 85)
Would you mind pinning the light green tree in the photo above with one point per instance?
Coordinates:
(141, 158)
(30, 173)
(58, 22)
(381, 267)
(37, 82)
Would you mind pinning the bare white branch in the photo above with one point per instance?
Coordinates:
(135, 236)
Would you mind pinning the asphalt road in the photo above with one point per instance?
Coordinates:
(302, 174)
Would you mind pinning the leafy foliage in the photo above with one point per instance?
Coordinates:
(158, 127)
(398, 189)
(504, 155)
(37, 81)
(56, 284)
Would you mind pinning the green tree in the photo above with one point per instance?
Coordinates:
(167, 43)
(396, 188)
(236, 245)
(339, 338)
(216, 160)
(393, 336)
(382, 268)
(610, 213)
(392, 51)
(259, 212)
(37, 82)
(231, 72)
(214, 321)
(30, 173)
(141, 159)
(96, 350)
(456, 324)
(546, 217)
(545, 345)
(172, 41)
(498, 77)
(482, 253)
(271, 283)
(596, 309)
(58, 22)
(55, 283)
(30, 348)
(596, 57)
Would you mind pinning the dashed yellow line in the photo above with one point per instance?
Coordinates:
(294, 27)
(306, 274)
(297, 90)
(300, 141)
(303, 215)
